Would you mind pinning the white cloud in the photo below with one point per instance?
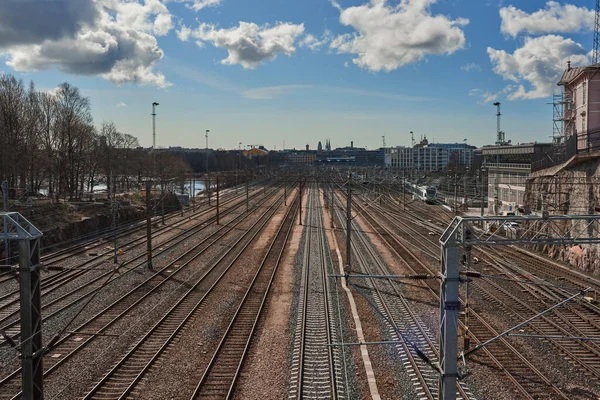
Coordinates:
(121, 104)
(539, 63)
(271, 92)
(487, 97)
(184, 33)
(470, 67)
(151, 16)
(554, 18)
(387, 37)
(313, 43)
(198, 5)
(118, 46)
(250, 44)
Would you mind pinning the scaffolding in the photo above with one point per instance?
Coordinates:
(562, 123)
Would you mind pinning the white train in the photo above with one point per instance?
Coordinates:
(428, 194)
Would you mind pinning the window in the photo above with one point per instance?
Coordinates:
(584, 94)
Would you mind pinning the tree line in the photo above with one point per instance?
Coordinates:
(49, 143)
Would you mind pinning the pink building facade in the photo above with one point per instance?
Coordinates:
(581, 87)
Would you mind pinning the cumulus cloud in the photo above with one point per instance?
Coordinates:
(538, 64)
(121, 104)
(198, 5)
(151, 17)
(119, 45)
(387, 37)
(250, 44)
(184, 33)
(554, 18)
(470, 67)
(30, 21)
(314, 43)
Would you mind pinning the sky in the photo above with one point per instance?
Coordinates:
(275, 72)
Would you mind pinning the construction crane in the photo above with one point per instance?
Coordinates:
(596, 33)
(412, 138)
(383, 138)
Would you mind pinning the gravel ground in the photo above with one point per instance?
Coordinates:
(204, 331)
(265, 373)
(485, 379)
(79, 371)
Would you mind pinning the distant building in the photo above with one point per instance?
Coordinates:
(255, 152)
(429, 157)
(320, 147)
(301, 157)
(508, 168)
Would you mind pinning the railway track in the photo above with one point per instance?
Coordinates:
(415, 343)
(96, 276)
(576, 319)
(526, 378)
(73, 342)
(316, 366)
(98, 241)
(220, 376)
(121, 380)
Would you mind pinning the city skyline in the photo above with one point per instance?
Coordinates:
(301, 72)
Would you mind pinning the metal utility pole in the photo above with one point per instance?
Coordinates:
(148, 226)
(285, 195)
(460, 233)
(348, 224)
(449, 307)
(404, 190)
(300, 205)
(332, 205)
(207, 173)
(162, 201)
(114, 207)
(154, 125)
(481, 188)
(247, 203)
(154, 104)
(13, 226)
(5, 207)
(496, 190)
(208, 188)
(194, 191)
(465, 190)
(217, 199)
(455, 195)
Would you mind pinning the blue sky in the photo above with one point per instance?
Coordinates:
(305, 71)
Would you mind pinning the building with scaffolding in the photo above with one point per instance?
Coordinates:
(577, 108)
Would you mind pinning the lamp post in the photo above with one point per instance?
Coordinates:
(154, 104)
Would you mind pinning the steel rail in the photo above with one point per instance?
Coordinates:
(103, 320)
(124, 376)
(222, 372)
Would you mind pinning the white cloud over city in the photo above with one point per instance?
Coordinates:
(388, 36)
(114, 39)
(249, 44)
(537, 65)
